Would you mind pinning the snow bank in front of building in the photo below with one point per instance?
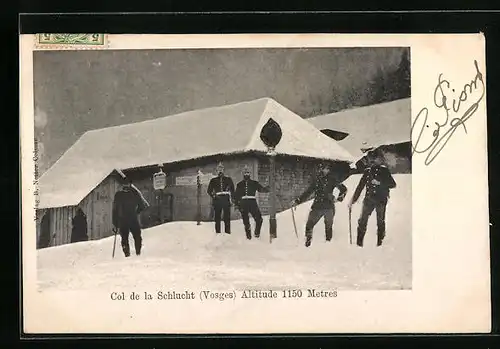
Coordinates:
(186, 255)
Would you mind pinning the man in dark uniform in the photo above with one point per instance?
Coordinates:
(246, 202)
(221, 189)
(127, 204)
(378, 181)
(324, 201)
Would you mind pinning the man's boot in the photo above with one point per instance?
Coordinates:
(308, 240)
(258, 226)
(360, 238)
(329, 235)
(248, 232)
(380, 238)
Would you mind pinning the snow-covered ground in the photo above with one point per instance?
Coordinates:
(184, 255)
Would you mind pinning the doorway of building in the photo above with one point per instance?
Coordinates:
(161, 210)
(45, 236)
(79, 227)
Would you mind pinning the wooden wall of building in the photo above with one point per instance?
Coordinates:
(293, 176)
(60, 226)
(44, 228)
(184, 197)
(97, 206)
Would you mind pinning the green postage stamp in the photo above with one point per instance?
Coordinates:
(61, 39)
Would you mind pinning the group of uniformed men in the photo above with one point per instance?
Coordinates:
(223, 193)
(376, 178)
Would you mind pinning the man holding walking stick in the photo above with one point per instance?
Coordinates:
(127, 204)
(378, 181)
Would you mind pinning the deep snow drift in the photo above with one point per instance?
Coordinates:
(183, 255)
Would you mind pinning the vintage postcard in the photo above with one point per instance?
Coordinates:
(221, 184)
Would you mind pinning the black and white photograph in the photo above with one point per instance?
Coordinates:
(247, 168)
(253, 184)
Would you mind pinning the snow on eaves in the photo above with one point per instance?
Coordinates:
(370, 126)
(194, 134)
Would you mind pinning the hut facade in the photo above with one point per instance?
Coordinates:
(188, 146)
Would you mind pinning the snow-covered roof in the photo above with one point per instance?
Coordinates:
(370, 126)
(229, 129)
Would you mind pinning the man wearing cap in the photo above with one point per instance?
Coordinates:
(324, 201)
(246, 201)
(221, 189)
(378, 181)
(127, 204)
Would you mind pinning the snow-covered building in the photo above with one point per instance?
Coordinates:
(385, 126)
(187, 144)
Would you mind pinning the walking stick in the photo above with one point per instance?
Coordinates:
(350, 229)
(293, 215)
(294, 224)
(114, 242)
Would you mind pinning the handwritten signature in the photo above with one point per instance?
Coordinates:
(444, 99)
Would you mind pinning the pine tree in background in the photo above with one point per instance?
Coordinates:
(392, 85)
(403, 78)
(385, 86)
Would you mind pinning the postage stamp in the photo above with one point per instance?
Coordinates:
(59, 41)
(254, 180)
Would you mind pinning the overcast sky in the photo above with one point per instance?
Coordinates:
(76, 91)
